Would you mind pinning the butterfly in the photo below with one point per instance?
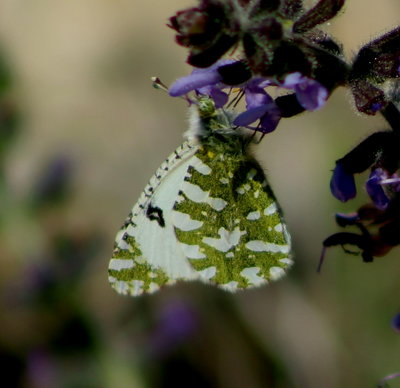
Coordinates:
(208, 214)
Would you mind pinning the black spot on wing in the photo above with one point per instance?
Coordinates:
(154, 213)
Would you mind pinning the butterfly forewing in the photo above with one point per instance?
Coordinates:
(146, 254)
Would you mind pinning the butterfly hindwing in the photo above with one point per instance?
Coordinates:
(228, 220)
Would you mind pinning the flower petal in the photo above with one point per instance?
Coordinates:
(310, 93)
(199, 78)
(320, 13)
(196, 80)
(375, 190)
(342, 184)
(249, 116)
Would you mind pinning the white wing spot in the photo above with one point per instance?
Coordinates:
(278, 228)
(229, 255)
(118, 264)
(252, 216)
(276, 273)
(192, 251)
(137, 286)
(261, 246)
(227, 239)
(121, 287)
(196, 194)
(217, 203)
(231, 286)
(271, 209)
(240, 190)
(224, 181)
(287, 261)
(208, 273)
(153, 287)
(256, 194)
(184, 222)
(200, 166)
(251, 275)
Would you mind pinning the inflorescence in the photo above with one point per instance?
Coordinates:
(249, 46)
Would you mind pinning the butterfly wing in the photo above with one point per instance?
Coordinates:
(228, 221)
(147, 254)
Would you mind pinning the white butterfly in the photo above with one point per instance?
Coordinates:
(207, 214)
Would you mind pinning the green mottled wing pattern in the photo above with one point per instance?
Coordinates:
(240, 240)
(208, 214)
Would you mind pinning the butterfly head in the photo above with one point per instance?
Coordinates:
(206, 120)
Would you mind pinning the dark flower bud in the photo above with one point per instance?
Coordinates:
(235, 73)
(286, 58)
(320, 13)
(206, 57)
(205, 31)
(387, 65)
(289, 105)
(269, 5)
(368, 98)
(291, 8)
(269, 29)
(380, 148)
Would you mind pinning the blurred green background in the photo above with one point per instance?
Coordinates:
(81, 132)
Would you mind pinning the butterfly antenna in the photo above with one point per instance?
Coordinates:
(158, 84)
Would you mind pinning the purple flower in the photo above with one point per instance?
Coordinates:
(310, 93)
(205, 81)
(343, 186)
(260, 106)
(375, 189)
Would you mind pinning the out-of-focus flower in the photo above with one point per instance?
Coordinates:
(396, 322)
(54, 183)
(177, 322)
(383, 382)
(42, 370)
